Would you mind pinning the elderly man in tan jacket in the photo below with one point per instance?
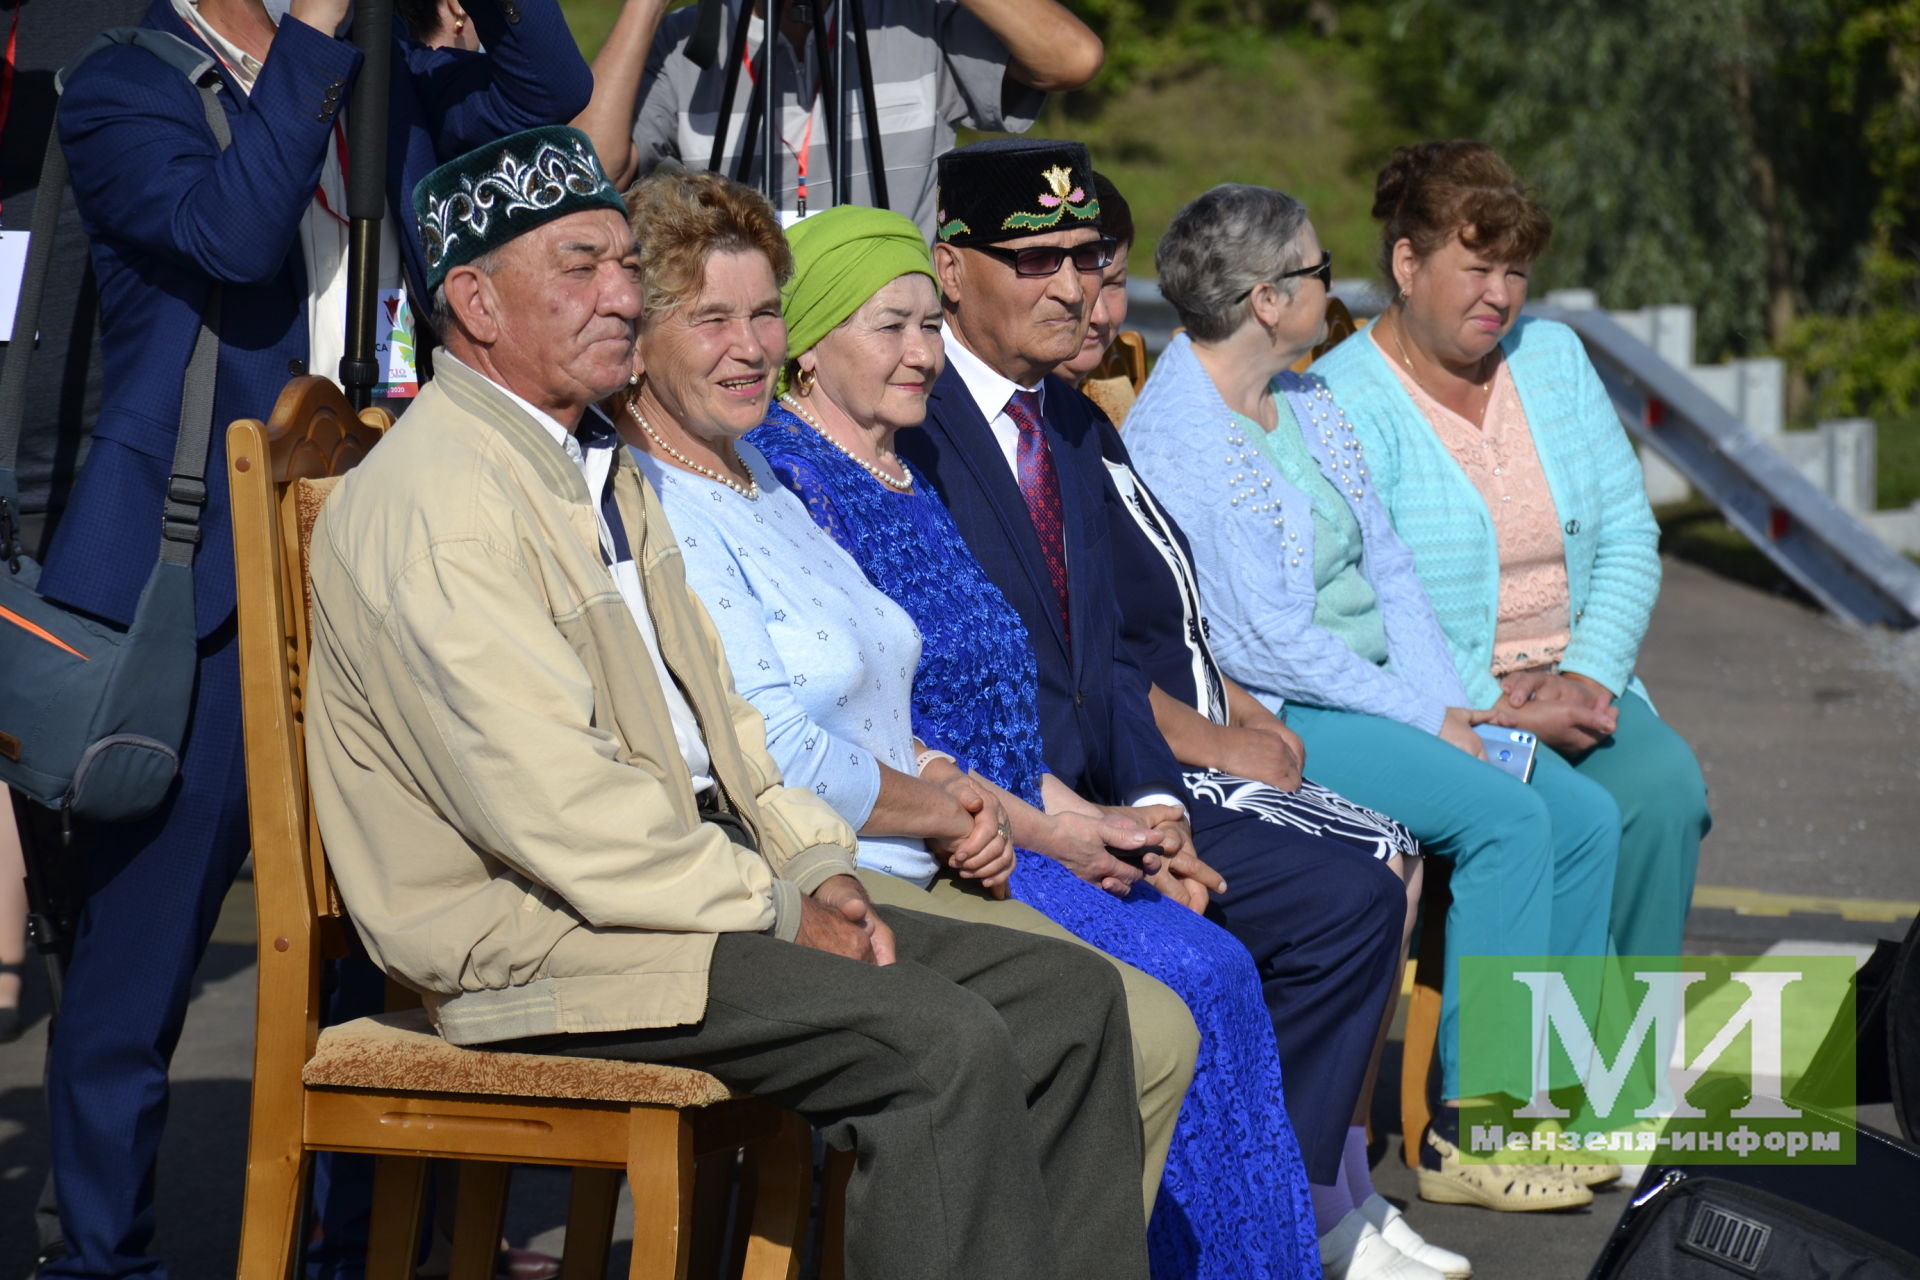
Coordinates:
(550, 815)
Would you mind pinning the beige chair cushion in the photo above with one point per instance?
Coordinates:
(399, 1052)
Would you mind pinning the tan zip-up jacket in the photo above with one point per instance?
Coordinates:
(495, 775)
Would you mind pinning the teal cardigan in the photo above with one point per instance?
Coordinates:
(1613, 562)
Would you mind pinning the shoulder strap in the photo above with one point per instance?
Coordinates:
(187, 489)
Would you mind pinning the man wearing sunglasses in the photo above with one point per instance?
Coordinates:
(1021, 460)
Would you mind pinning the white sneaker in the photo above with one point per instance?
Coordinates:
(1355, 1250)
(1398, 1232)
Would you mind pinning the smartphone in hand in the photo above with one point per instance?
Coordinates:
(1509, 749)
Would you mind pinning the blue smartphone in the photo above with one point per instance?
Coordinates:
(1509, 749)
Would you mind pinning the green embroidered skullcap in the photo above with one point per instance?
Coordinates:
(472, 205)
(842, 257)
(1012, 187)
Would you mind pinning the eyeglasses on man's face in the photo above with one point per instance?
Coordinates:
(1044, 260)
(1321, 270)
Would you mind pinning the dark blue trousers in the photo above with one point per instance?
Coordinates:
(1323, 922)
(154, 890)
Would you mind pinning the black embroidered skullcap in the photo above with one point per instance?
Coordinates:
(475, 203)
(1012, 187)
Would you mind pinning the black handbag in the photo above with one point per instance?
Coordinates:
(92, 715)
(1801, 1222)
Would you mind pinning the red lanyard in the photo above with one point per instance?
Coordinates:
(320, 192)
(800, 157)
(339, 136)
(6, 72)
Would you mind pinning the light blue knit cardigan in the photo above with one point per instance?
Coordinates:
(1252, 538)
(1613, 562)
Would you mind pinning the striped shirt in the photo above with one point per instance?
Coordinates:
(936, 67)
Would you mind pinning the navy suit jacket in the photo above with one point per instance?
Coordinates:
(169, 214)
(1095, 719)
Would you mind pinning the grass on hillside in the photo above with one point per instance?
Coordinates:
(1271, 114)
(590, 20)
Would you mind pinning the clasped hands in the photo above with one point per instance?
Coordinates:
(981, 846)
(1086, 839)
(838, 917)
(1570, 713)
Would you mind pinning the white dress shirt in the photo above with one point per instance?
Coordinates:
(597, 466)
(990, 391)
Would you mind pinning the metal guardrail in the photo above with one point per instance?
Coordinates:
(1827, 552)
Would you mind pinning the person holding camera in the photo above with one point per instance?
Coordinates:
(260, 220)
(937, 65)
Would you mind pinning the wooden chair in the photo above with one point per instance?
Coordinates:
(389, 1086)
(1340, 327)
(1423, 1009)
(1117, 379)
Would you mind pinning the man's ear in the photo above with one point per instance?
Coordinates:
(475, 303)
(949, 271)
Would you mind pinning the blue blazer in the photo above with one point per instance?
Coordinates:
(1095, 720)
(168, 214)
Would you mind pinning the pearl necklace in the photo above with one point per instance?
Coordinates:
(1485, 388)
(893, 483)
(750, 490)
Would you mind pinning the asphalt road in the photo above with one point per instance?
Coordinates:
(1806, 731)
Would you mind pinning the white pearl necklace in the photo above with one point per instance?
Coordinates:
(892, 482)
(750, 490)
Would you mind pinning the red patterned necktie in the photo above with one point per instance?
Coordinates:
(1040, 486)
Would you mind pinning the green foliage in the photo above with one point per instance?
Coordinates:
(1865, 360)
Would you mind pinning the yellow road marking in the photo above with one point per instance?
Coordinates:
(1754, 902)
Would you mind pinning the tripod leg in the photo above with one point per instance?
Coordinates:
(876, 160)
(830, 100)
(728, 85)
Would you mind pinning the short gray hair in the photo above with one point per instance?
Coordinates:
(1219, 247)
(442, 314)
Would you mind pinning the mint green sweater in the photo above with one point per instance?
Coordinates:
(1613, 564)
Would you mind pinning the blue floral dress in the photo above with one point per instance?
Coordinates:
(1233, 1205)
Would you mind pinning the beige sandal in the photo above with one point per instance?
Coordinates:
(1510, 1188)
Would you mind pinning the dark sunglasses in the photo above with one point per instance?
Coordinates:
(1094, 255)
(1322, 270)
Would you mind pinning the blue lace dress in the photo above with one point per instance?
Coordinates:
(1233, 1205)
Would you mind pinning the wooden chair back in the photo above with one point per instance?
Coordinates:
(280, 471)
(1340, 327)
(389, 1086)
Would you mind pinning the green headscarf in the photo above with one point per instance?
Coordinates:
(841, 258)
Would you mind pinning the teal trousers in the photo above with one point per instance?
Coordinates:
(1652, 775)
(1532, 862)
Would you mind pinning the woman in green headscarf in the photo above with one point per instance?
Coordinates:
(863, 334)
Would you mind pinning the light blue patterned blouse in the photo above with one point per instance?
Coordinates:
(827, 658)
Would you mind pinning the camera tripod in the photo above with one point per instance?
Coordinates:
(760, 132)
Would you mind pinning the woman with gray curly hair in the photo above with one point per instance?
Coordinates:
(1317, 610)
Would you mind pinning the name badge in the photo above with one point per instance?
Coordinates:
(393, 347)
(13, 268)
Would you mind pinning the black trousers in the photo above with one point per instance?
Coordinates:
(1323, 923)
(985, 1082)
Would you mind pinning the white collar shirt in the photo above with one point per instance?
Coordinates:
(990, 391)
(596, 465)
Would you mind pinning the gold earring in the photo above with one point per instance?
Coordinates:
(803, 381)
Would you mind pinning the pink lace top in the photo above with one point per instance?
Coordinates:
(1531, 627)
